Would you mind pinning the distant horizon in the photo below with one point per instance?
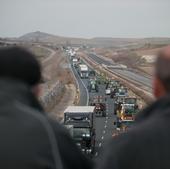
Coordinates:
(86, 18)
(63, 36)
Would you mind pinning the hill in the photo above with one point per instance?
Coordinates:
(98, 41)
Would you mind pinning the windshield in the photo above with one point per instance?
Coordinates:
(127, 123)
(130, 101)
(122, 91)
(129, 107)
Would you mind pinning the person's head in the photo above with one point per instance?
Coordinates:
(19, 64)
(161, 85)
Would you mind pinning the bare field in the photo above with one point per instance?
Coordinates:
(55, 69)
(148, 51)
(41, 53)
(149, 70)
(140, 59)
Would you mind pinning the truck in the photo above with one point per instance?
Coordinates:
(75, 61)
(82, 119)
(119, 100)
(121, 92)
(124, 124)
(129, 108)
(70, 129)
(111, 86)
(92, 73)
(100, 105)
(92, 85)
(83, 71)
(101, 79)
(127, 113)
(115, 86)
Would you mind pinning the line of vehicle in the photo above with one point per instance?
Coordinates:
(139, 82)
(135, 83)
(78, 85)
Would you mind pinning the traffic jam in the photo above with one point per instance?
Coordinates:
(108, 98)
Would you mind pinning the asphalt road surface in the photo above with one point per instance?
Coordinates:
(84, 95)
(104, 125)
(139, 79)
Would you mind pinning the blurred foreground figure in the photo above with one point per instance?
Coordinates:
(29, 139)
(146, 146)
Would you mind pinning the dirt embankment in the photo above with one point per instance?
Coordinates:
(58, 89)
(54, 70)
(141, 60)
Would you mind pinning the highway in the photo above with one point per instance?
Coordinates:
(99, 60)
(143, 81)
(84, 95)
(104, 125)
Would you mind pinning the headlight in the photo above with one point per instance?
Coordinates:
(89, 150)
(86, 135)
(78, 144)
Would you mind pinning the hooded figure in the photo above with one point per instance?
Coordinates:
(29, 138)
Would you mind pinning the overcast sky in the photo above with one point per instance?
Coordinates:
(86, 18)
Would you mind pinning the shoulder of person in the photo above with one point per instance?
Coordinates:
(120, 150)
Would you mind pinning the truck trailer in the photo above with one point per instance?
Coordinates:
(83, 71)
(82, 119)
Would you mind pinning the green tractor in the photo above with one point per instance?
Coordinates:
(93, 86)
(102, 79)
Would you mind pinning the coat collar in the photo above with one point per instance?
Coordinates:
(160, 106)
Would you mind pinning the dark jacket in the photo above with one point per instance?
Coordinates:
(147, 145)
(29, 139)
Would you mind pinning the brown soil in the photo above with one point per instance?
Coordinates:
(66, 100)
(56, 69)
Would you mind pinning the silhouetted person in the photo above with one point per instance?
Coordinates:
(147, 145)
(29, 139)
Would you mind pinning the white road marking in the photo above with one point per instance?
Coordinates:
(106, 121)
(105, 126)
(102, 137)
(107, 117)
(104, 131)
(100, 144)
(87, 102)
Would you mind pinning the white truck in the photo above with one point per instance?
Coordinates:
(83, 71)
(82, 118)
(75, 61)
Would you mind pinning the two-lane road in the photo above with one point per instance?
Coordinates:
(146, 82)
